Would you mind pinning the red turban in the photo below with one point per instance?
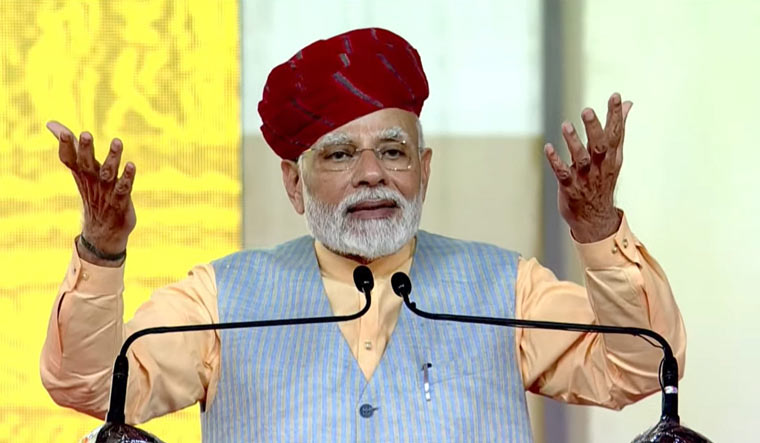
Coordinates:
(331, 82)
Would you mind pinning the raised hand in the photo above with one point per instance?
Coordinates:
(586, 187)
(109, 216)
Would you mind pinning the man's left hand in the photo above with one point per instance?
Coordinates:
(587, 186)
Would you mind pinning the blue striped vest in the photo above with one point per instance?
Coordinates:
(301, 383)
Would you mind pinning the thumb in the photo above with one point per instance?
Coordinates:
(627, 105)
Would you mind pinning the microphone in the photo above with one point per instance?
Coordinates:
(114, 430)
(363, 280)
(668, 429)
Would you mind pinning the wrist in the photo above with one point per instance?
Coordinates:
(93, 254)
(107, 241)
(590, 231)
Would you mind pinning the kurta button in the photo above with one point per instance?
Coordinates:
(625, 242)
(366, 410)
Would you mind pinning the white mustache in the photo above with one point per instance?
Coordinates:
(370, 194)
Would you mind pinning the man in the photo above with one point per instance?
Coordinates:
(343, 115)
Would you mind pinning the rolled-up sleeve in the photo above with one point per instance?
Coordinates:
(625, 286)
(167, 372)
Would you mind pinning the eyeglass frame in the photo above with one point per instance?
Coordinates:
(359, 151)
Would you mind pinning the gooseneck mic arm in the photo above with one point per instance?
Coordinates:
(402, 286)
(362, 278)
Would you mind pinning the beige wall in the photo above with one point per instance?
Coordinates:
(689, 184)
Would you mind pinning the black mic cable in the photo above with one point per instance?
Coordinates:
(362, 279)
(668, 372)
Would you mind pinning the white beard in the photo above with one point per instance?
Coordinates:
(371, 238)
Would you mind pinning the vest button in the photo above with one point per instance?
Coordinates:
(366, 410)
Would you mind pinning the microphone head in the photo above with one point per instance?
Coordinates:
(363, 279)
(401, 284)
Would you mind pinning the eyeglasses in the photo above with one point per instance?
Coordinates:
(393, 155)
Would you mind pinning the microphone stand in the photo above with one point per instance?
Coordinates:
(668, 429)
(116, 430)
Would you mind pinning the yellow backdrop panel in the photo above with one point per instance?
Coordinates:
(164, 77)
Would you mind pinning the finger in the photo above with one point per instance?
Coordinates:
(561, 170)
(66, 143)
(57, 128)
(67, 152)
(617, 159)
(627, 105)
(597, 140)
(123, 187)
(110, 168)
(86, 154)
(578, 152)
(613, 128)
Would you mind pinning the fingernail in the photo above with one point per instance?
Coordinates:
(568, 127)
(64, 137)
(588, 114)
(616, 98)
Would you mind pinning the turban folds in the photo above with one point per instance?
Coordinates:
(331, 82)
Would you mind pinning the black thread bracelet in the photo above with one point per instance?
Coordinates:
(100, 254)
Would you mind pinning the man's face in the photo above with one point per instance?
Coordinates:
(362, 207)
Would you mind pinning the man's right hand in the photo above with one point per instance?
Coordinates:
(109, 216)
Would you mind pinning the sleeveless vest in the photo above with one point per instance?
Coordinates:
(301, 383)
